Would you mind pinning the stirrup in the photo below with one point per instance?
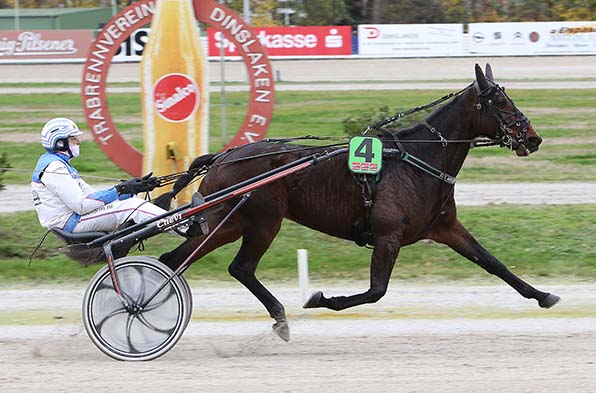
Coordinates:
(199, 225)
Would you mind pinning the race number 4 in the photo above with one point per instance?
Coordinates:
(365, 155)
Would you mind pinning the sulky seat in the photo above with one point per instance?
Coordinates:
(77, 238)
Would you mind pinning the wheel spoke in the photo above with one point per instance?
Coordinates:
(129, 322)
(153, 305)
(141, 294)
(107, 317)
(151, 326)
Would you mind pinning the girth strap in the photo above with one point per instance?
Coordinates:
(362, 231)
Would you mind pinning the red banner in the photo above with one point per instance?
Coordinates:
(44, 44)
(291, 41)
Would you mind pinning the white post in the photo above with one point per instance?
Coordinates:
(222, 70)
(303, 272)
(246, 11)
(17, 21)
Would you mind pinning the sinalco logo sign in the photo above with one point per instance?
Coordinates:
(176, 97)
(176, 88)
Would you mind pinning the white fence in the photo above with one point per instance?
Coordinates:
(481, 39)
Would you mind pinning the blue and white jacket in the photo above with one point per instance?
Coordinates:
(60, 196)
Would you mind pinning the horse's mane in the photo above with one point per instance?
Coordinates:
(388, 133)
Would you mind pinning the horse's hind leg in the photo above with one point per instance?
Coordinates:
(382, 262)
(460, 240)
(255, 242)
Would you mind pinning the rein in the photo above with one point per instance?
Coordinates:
(398, 116)
(163, 180)
(506, 140)
(274, 153)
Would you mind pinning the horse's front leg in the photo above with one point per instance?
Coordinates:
(382, 261)
(459, 239)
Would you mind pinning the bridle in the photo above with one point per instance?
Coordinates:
(507, 119)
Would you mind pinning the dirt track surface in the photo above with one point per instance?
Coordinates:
(460, 363)
(416, 339)
(371, 74)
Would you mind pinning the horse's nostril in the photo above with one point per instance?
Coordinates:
(535, 140)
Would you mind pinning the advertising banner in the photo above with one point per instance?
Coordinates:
(532, 38)
(131, 50)
(415, 40)
(44, 45)
(291, 41)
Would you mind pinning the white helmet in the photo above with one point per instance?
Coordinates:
(56, 130)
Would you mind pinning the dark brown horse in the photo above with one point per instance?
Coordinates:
(409, 204)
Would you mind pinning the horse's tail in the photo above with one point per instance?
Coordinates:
(196, 168)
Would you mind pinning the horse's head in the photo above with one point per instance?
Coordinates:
(500, 118)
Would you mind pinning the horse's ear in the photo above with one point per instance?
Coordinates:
(488, 71)
(481, 79)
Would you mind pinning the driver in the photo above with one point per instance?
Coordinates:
(63, 200)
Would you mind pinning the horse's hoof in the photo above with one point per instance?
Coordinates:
(282, 329)
(549, 301)
(314, 300)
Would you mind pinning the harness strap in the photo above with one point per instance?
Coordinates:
(426, 167)
(421, 164)
(364, 232)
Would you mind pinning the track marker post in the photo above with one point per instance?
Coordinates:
(303, 272)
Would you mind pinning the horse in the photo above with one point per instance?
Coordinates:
(408, 204)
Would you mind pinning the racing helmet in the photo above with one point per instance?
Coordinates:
(55, 133)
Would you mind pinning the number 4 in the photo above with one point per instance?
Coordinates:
(365, 150)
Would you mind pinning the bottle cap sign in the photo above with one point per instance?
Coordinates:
(176, 97)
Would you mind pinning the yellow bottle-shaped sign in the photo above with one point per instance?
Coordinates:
(174, 93)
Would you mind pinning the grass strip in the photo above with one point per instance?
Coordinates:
(533, 241)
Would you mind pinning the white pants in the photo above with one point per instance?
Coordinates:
(111, 217)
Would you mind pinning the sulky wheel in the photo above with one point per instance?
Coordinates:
(134, 332)
(183, 281)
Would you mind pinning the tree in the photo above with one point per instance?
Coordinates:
(327, 12)
(377, 7)
(574, 10)
(360, 11)
(488, 10)
(531, 10)
(455, 11)
(413, 11)
(355, 12)
(262, 12)
(64, 3)
(400, 11)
